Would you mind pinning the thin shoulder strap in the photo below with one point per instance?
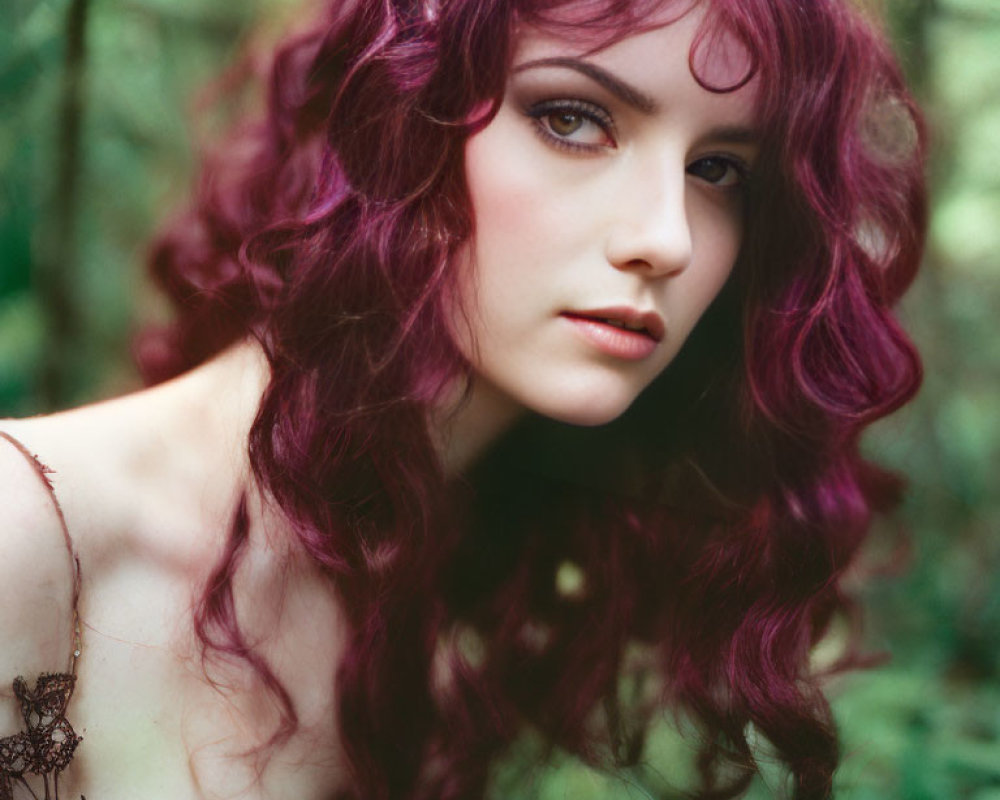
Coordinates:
(43, 473)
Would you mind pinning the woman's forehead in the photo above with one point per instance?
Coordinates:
(597, 15)
(685, 37)
(718, 56)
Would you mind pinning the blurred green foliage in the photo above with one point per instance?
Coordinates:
(96, 126)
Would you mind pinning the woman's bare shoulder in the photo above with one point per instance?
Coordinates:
(151, 471)
(80, 451)
(37, 574)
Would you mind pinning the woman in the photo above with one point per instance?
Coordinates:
(431, 469)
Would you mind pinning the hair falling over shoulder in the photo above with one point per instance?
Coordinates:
(710, 525)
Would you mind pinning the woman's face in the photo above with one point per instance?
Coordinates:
(607, 195)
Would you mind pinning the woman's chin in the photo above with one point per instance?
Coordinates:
(584, 397)
(584, 411)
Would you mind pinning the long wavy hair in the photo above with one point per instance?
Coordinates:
(697, 544)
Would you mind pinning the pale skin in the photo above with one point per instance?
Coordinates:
(646, 216)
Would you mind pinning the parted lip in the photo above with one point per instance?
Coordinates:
(648, 322)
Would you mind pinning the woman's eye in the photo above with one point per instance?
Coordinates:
(573, 124)
(720, 171)
(565, 123)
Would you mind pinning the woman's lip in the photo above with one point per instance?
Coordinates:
(611, 340)
(650, 322)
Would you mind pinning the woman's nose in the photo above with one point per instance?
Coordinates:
(650, 233)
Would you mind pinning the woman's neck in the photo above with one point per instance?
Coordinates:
(462, 427)
(467, 422)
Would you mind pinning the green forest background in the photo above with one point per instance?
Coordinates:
(97, 103)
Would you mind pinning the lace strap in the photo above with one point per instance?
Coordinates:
(43, 473)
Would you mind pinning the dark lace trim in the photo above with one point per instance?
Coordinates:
(45, 747)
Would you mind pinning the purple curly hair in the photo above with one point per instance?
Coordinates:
(717, 539)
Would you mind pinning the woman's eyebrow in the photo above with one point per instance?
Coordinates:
(624, 91)
(733, 135)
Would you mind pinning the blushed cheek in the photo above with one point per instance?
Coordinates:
(505, 195)
(527, 228)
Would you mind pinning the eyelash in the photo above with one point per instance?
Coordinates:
(596, 115)
(590, 112)
(737, 165)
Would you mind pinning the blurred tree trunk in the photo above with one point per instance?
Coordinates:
(58, 247)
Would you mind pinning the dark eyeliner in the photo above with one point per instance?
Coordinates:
(743, 170)
(587, 110)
